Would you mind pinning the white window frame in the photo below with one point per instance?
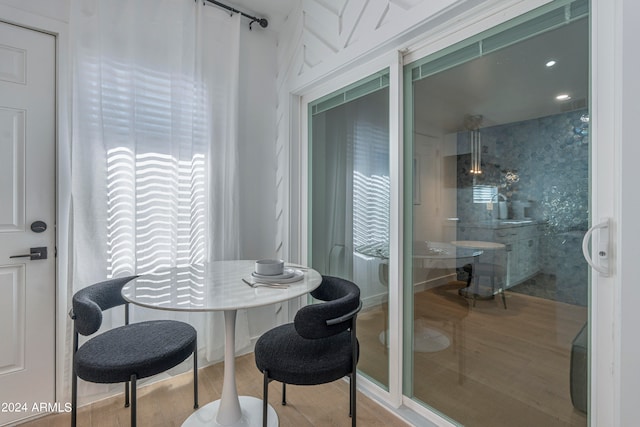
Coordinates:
(391, 61)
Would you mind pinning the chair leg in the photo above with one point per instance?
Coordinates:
(195, 378)
(126, 394)
(284, 394)
(133, 400)
(476, 285)
(74, 379)
(74, 398)
(352, 398)
(265, 397)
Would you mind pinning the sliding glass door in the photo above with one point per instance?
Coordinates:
(496, 200)
(350, 202)
(496, 290)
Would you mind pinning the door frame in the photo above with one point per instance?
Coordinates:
(606, 68)
(627, 151)
(604, 334)
(59, 30)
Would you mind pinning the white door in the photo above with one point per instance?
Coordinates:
(27, 222)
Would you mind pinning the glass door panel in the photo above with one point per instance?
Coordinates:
(349, 212)
(497, 290)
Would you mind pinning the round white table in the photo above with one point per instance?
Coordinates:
(435, 252)
(477, 244)
(218, 286)
(429, 255)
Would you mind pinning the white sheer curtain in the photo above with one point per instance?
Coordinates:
(154, 150)
(351, 182)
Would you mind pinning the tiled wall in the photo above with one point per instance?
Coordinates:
(550, 155)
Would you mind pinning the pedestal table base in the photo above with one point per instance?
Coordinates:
(251, 414)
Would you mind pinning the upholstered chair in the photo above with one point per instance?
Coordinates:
(319, 347)
(127, 353)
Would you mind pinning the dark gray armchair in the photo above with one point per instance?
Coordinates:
(126, 353)
(319, 347)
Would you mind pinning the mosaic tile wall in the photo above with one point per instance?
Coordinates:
(549, 156)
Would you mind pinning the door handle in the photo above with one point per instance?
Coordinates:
(34, 254)
(602, 266)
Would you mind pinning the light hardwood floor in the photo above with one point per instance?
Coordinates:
(502, 367)
(168, 403)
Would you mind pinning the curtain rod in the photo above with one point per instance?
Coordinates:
(262, 21)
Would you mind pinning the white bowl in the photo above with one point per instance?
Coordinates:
(269, 267)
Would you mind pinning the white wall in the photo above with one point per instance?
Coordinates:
(54, 9)
(257, 135)
(257, 151)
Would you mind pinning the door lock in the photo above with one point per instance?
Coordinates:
(38, 226)
(35, 253)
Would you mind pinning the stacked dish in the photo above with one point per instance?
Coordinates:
(273, 271)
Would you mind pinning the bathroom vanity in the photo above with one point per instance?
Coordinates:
(522, 244)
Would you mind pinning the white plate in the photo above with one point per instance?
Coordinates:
(287, 273)
(283, 278)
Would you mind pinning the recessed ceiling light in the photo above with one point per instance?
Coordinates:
(563, 97)
(551, 63)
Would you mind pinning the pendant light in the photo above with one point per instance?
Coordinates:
(473, 123)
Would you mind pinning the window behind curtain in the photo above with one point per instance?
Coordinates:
(371, 186)
(153, 128)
